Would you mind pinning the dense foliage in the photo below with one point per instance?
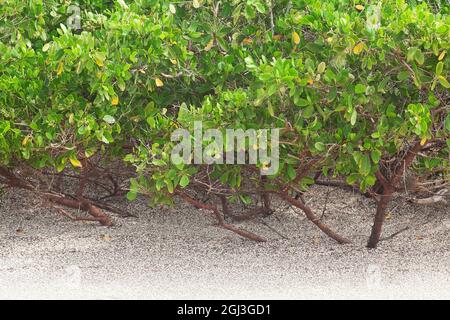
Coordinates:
(355, 85)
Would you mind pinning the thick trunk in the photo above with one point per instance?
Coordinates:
(380, 215)
(389, 187)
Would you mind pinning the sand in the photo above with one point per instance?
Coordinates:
(179, 253)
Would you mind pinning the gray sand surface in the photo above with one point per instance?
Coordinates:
(178, 253)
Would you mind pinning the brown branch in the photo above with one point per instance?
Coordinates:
(80, 204)
(395, 234)
(74, 218)
(219, 217)
(313, 218)
(242, 217)
(382, 179)
(338, 184)
(389, 188)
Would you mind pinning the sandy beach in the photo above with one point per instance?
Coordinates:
(178, 253)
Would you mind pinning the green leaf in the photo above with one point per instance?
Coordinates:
(376, 156)
(354, 117)
(159, 162)
(131, 196)
(360, 88)
(291, 172)
(321, 67)
(402, 76)
(301, 102)
(151, 121)
(320, 146)
(370, 180)
(439, 68)
(109, 119)
(419, 57)
(447, 123)
(365, 165)
(184, 182)
(308, 112)
(444, 82)
(270, 109)
(352, 179)
(260, 7)
(170, 186)
(411, 54)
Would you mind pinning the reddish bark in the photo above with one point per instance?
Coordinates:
(79, 204)
(389, 187)
(242, 217)
(313, 218)
(220, 219)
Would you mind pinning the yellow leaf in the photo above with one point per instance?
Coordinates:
(277, 37)
(99, 62)
(196, 4)
(159, 83)
(25, 141)
(60, 69)
(89, 153)
(423, 141)
(75, 162)
(106, 237)
(174, 61)
(115, 101)
(71, 118)
(442, 55)
(99, 58)
(78, 70)
(247, 41)
(296, 37)
(359, 7)
(358, 48)
(210, 45)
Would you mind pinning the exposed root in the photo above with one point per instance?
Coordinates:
(221, 221)
(395, 234)
(313, 218)
(439, 197)
(81, 203)
(273, 229)
(74, 218)
(338, 184)
(251, 214)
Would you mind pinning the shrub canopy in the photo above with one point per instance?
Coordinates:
(352, 83)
